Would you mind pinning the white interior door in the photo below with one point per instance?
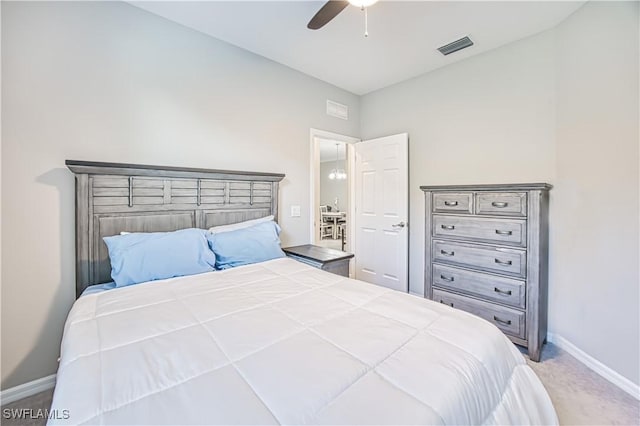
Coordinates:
(382, 211)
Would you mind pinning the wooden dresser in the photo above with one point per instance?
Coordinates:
(486, 253)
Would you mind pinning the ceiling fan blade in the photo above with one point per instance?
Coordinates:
(330, 10)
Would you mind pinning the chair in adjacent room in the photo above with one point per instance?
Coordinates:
(326, 224)
(342, 231)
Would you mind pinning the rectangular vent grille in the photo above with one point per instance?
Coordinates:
(463, 43)
(337, 110)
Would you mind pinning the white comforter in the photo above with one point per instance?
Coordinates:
(281, 342)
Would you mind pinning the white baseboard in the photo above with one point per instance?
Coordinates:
(606, 372)
(24, 390)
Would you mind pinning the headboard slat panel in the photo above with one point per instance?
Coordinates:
(114, 197)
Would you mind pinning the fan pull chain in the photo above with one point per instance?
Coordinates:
(366, 22)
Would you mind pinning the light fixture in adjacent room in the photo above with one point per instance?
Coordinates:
(337, 173)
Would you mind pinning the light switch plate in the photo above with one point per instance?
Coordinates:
(295, 211)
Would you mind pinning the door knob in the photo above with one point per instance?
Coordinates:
(399, 225)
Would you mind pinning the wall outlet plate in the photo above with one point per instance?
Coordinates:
(295, 211)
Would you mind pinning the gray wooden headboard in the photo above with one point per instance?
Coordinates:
(112, 197)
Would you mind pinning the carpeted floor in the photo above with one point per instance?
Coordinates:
(580, 396)
(36, 402)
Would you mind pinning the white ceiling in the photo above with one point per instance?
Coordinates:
(402, 42)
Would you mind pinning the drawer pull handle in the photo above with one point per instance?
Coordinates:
(451, 203)
(504, 292)
(447, 253)
(448, 227)
(445, 303)
(503, 262)
(501, 321)
(499, 232)
(499, 204)
(447, 279)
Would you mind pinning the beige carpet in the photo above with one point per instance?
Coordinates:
(581, 397)
(38, 401)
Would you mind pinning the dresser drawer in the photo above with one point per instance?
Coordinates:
(508, 320)
(453, 202)
(502, 203)
(496, 289)
(502, 231)
(491, 259)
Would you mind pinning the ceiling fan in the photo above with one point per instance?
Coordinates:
(332, 8)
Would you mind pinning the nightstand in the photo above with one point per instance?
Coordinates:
(327, 259)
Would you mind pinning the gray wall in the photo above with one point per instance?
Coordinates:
(595, 293)
(560, 107)
(330, 189)
(109, 82)
(475, 121)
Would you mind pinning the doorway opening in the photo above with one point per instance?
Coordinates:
(333, 196)
(332, 159)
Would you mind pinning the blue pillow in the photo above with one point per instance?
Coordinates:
(141, 257)
(254, 244)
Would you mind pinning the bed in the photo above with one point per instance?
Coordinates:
(276, 342)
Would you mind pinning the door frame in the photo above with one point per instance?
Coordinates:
(315, 136)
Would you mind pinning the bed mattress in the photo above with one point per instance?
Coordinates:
(281, 342)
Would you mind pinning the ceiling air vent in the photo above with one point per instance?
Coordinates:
(335, 109)
(463, 43)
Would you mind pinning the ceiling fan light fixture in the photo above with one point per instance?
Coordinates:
(362, 3)
(332, 8)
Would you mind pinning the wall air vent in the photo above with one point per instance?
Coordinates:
(454, 46)
(337, 110)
